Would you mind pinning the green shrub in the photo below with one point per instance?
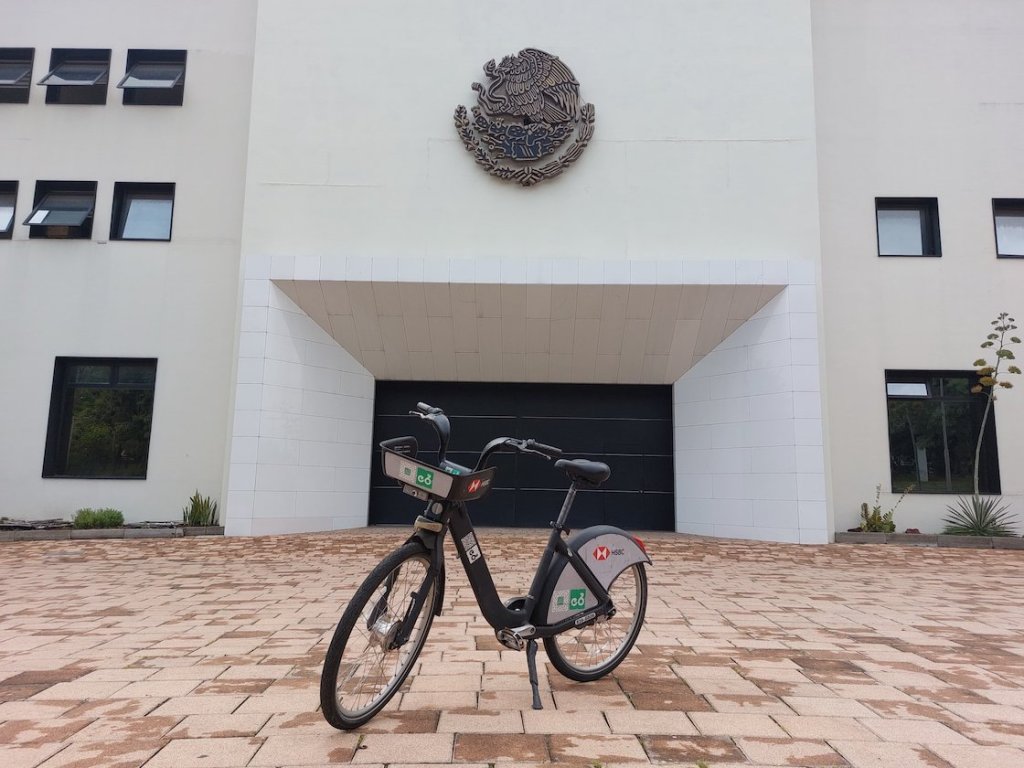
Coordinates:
(979, 516)
(200, 510)
(98, 518)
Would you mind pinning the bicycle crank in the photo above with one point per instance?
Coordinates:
(516, 637)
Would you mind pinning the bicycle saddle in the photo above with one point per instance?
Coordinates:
(593, 472)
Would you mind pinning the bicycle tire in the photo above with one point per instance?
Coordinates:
(559, 654)
(370, 610)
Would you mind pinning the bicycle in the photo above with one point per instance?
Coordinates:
(586, 602)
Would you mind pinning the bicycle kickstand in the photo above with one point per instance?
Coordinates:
(531, 664)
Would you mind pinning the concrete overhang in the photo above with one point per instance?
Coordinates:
(525, 332)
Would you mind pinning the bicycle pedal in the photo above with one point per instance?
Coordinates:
(516, 637)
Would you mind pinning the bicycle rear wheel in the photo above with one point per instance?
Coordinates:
(363, 668)
(592, 652)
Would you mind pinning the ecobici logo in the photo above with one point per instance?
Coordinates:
(424, 478)
(577, 599)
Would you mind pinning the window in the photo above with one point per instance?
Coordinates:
(8, 199)
(142, 211)
(77, 76)
(154, 77)
(63, 210)
(101, 413)
(15, 74)
(1009, 221)
(908, 226)
(933, 432)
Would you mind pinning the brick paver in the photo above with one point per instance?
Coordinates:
(208, 652)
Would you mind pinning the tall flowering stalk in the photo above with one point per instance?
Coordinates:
(989, 374)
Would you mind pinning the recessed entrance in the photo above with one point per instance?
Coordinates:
(627, 426)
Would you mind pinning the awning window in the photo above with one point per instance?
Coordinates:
(153, 75)
(62, 209)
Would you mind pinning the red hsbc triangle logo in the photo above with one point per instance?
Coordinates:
(602, 553)
(474, 485)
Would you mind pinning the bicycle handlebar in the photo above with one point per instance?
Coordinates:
(440, 422)
(548, 450)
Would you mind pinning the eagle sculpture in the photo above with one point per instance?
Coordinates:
(533, 86)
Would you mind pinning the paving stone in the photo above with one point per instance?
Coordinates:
(811, 727)
(26, 757)
(868, 754)
(827, 707)
(691, 749)
(218, 726)
(514, 748)
(650, 722)
(725, 724)
(38, 733)
(282, 702)
(405, 748)
(199, 705)
(973, 756)
(210, 753)
(917, 731)
(294, 749)
(503, 721)
(559, 721)
(813, 754)
(596, 748)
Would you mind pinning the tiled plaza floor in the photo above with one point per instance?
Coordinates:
(207, 652)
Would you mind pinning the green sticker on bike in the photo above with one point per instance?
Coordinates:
(577, 599)
(424, 478)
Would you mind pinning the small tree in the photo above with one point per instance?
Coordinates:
(988, 375)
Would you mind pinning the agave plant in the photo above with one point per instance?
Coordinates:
(200, 511)
(979, 516)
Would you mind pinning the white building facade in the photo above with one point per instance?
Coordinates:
(715, 248)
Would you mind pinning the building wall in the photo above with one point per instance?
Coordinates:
(704, 145)
(174, 301)
(748, 426)
(703, 158)
(918, 98)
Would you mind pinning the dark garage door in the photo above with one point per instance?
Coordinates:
(629, 427)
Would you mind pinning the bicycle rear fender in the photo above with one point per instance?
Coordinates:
(606, 550)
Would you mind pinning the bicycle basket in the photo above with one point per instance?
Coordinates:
(425, 480)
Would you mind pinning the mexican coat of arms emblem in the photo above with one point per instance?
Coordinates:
(528, 124)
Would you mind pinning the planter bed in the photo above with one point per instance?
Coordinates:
(931, 540)
(65, 534)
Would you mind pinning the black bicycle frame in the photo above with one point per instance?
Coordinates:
(454, 516)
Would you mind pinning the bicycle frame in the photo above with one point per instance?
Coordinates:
(454, 517)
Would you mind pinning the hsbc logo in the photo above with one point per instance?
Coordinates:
(474, 485)
(603, 553)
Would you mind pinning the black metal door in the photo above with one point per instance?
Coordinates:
(627, 426)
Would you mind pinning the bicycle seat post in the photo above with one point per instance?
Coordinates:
(563, 516)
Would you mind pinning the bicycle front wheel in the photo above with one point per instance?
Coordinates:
(366, 662)
(592, 652)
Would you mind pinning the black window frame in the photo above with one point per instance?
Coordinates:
(62, 232)
(9, 189)
(928, 208)
(58, 432)
(1012, 206)
(990, 482)
(19, 91)
(90, 94)
(130, 190)
(173, 96)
